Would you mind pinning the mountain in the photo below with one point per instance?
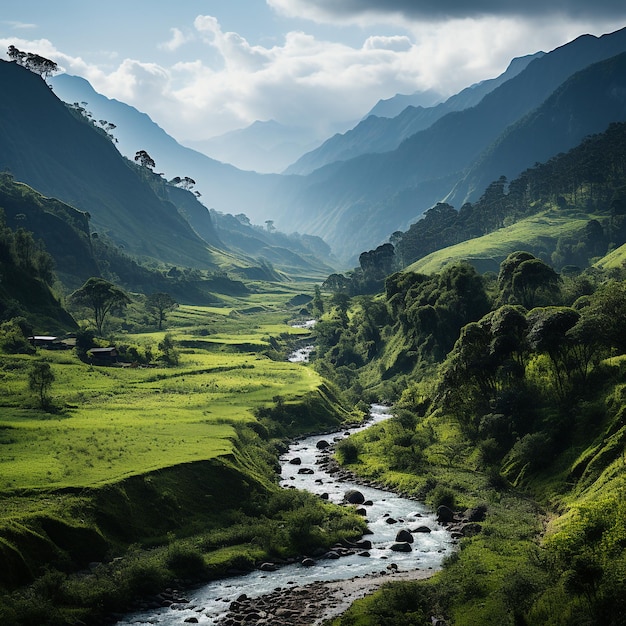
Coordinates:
(584, 105)
(380, 134)
(45, 145)
(222, 186)
(298, 256)
(390, 107)
(264, 147)
(356, 204)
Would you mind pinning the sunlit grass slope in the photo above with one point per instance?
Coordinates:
(537, 234)
(119, 422)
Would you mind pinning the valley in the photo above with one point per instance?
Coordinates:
(461, 263)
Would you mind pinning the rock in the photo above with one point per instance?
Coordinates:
(268, 567)
(402, 547)
(296, 461)
(364, 553)
(322, 444)
(191, 620)
(477, 514)
(308, 562)
(353, 496)
(368, 503)
(470, 529)
(305, 470)
(444, 514)
(404, 536)
(361, 511)
(421, 529)
(391, 520)
(324, 496)
(331, 554)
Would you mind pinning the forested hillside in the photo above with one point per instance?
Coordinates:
(508, 391)
(501, 387)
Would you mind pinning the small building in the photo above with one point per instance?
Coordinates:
(103, 356)
(49, 342)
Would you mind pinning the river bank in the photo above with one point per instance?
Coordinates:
(313, 604)
(330, 581)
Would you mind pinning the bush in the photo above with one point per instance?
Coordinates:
(347, 452)
(185, 562)
(442, 496)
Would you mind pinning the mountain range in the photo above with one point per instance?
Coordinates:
(382, 132)
(356, 204)
(543, 104)
(223, 186)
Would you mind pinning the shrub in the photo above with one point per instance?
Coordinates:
(442, 496)
(347, 452)
(185, 562)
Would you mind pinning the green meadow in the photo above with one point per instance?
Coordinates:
(114, 422)
(537, 234)
(158, 469)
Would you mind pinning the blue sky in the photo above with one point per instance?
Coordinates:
(200, 68)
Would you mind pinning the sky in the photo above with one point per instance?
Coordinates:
(201, 68)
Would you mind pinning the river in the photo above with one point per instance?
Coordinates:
(210, 602)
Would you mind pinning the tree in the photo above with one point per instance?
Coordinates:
(169, 352)
(40, 379)
(144, 159)
(526, 280)
(16, 55)
(101, 297)
(547, 333)
(33, 62)
(159, 304)
(317, 303)
(337, 283)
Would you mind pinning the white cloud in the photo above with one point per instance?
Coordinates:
(304, 79)
(176, 41)
(397, 43)
(20, 25)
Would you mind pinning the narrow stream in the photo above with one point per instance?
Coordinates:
(209, 603)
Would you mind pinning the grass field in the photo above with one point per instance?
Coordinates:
(537, 234)
(115, 422)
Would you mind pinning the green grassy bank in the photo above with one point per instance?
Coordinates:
(133, 477)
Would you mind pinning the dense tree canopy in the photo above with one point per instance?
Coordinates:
(100, 297)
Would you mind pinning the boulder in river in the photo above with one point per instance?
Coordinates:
(421, 529)
(268, 567)
(296, 461)
(445, 514)
(322, 444)
(404, 536)
(354, 496)
(401, 546)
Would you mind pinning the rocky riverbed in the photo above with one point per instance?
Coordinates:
(406, 542)
(313, 604)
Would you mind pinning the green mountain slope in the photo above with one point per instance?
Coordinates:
(354, 203)
(44, 145)
(585, 104)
